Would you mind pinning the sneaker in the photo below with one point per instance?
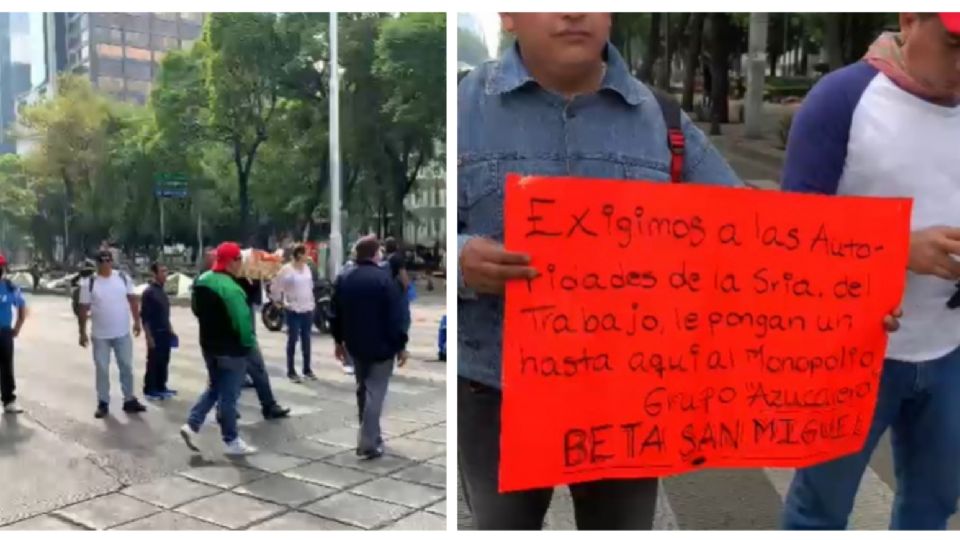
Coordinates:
(102, 410)
(133, 406)
(237, 447)
(154, 396)
(368, 455)
(169, 393)
(348, 369)
(310, 376)
(294, 378)
(187, 434)
(12, 408)
(276, 412)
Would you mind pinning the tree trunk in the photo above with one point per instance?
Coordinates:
(653, 49)
(691, 62)
(719, 67)
(831, 40)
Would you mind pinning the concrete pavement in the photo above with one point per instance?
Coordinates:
(64, 469)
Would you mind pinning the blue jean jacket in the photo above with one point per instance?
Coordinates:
(507, 123)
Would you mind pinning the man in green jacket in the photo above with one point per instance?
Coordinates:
(226, 341)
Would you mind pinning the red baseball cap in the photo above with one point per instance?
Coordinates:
(951, 21)
(225, 254)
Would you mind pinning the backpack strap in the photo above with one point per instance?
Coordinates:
(676, 142)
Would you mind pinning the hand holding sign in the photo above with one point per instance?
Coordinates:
(486, 266)
(932, 252)
(676, 327)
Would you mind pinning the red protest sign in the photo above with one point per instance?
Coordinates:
(674, 327)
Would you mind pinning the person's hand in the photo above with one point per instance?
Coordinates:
(339, 352)
(891, 322)
(137, 329)
(84, 341)
(151, 344)
(402, 358)
(931, 252)
(486, 266)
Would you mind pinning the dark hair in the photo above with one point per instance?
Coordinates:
(390, 244)
(299, 250)
(155, 267)
(367, 248)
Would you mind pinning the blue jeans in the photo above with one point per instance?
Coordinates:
(298, 326)
(920, 402)
(122, 348)
(225, 382)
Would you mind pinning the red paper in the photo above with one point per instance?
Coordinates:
(676, 327)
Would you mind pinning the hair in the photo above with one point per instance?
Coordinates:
(299, 250)
(367, 248)
(390, 245)
(155, 267)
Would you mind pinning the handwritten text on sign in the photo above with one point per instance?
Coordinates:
(678, 326)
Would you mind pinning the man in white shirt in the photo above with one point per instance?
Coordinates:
(109, 300)
(889, 126)
(294, 286)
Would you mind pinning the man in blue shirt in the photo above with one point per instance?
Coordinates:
(10, 299)
(561, 102)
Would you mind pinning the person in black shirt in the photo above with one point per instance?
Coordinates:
(396, 262)
(155, 314)
(369, 323)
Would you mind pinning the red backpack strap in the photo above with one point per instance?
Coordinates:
(675, 139)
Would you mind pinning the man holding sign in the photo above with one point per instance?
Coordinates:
(561, 102)
(889, 126)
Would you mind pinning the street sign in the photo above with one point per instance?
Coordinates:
(171, 186)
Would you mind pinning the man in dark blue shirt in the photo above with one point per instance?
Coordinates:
(369, 322)
(10, 299)
(155, 314)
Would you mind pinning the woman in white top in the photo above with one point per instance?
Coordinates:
(294, 286)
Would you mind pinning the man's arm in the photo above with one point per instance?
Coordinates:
(21, 305)
(336, 313)
(396, 310)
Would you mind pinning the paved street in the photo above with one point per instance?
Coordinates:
(64, 469)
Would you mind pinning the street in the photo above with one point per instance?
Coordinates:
(64, 469)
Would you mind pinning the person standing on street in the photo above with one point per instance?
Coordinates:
(346, 364)
(155, 314)
(369, 325)
(256, 370)
(109, 300)
(396, 264)
(294, 286)
(889, 126)
(226, 341)
(11, 298)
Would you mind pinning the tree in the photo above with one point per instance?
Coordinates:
(652, 52)
(18, 200)
(692, 58)
(720, 45)
(410, 59)
(245, 64)
(70, 132)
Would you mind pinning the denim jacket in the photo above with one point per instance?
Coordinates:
(507, 123)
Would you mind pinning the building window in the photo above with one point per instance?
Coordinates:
(166, 16)
(137, 70)
(142, 87)
(137, 39)
(110, 84)
(84, 53)
(136, 53)
(165, 43)
(109, 51)
(138, 21)
(110, 66)
(193, 17)
(165, 28)
(108, 35)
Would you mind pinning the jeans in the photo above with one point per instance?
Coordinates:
(158, 362)
(298, 326)
(599, 505)
(122, 348)
(920, 402)
(8, 386)
(372, 380)
(257, 372)
(223, 390)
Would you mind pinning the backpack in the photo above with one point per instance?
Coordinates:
(92, 279)
(676, 142)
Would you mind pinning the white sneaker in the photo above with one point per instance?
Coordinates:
(188, 434)
(237, 447)
(12, 408)
(348, 369)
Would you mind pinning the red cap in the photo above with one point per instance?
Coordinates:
(226, 253)
(951, 21)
